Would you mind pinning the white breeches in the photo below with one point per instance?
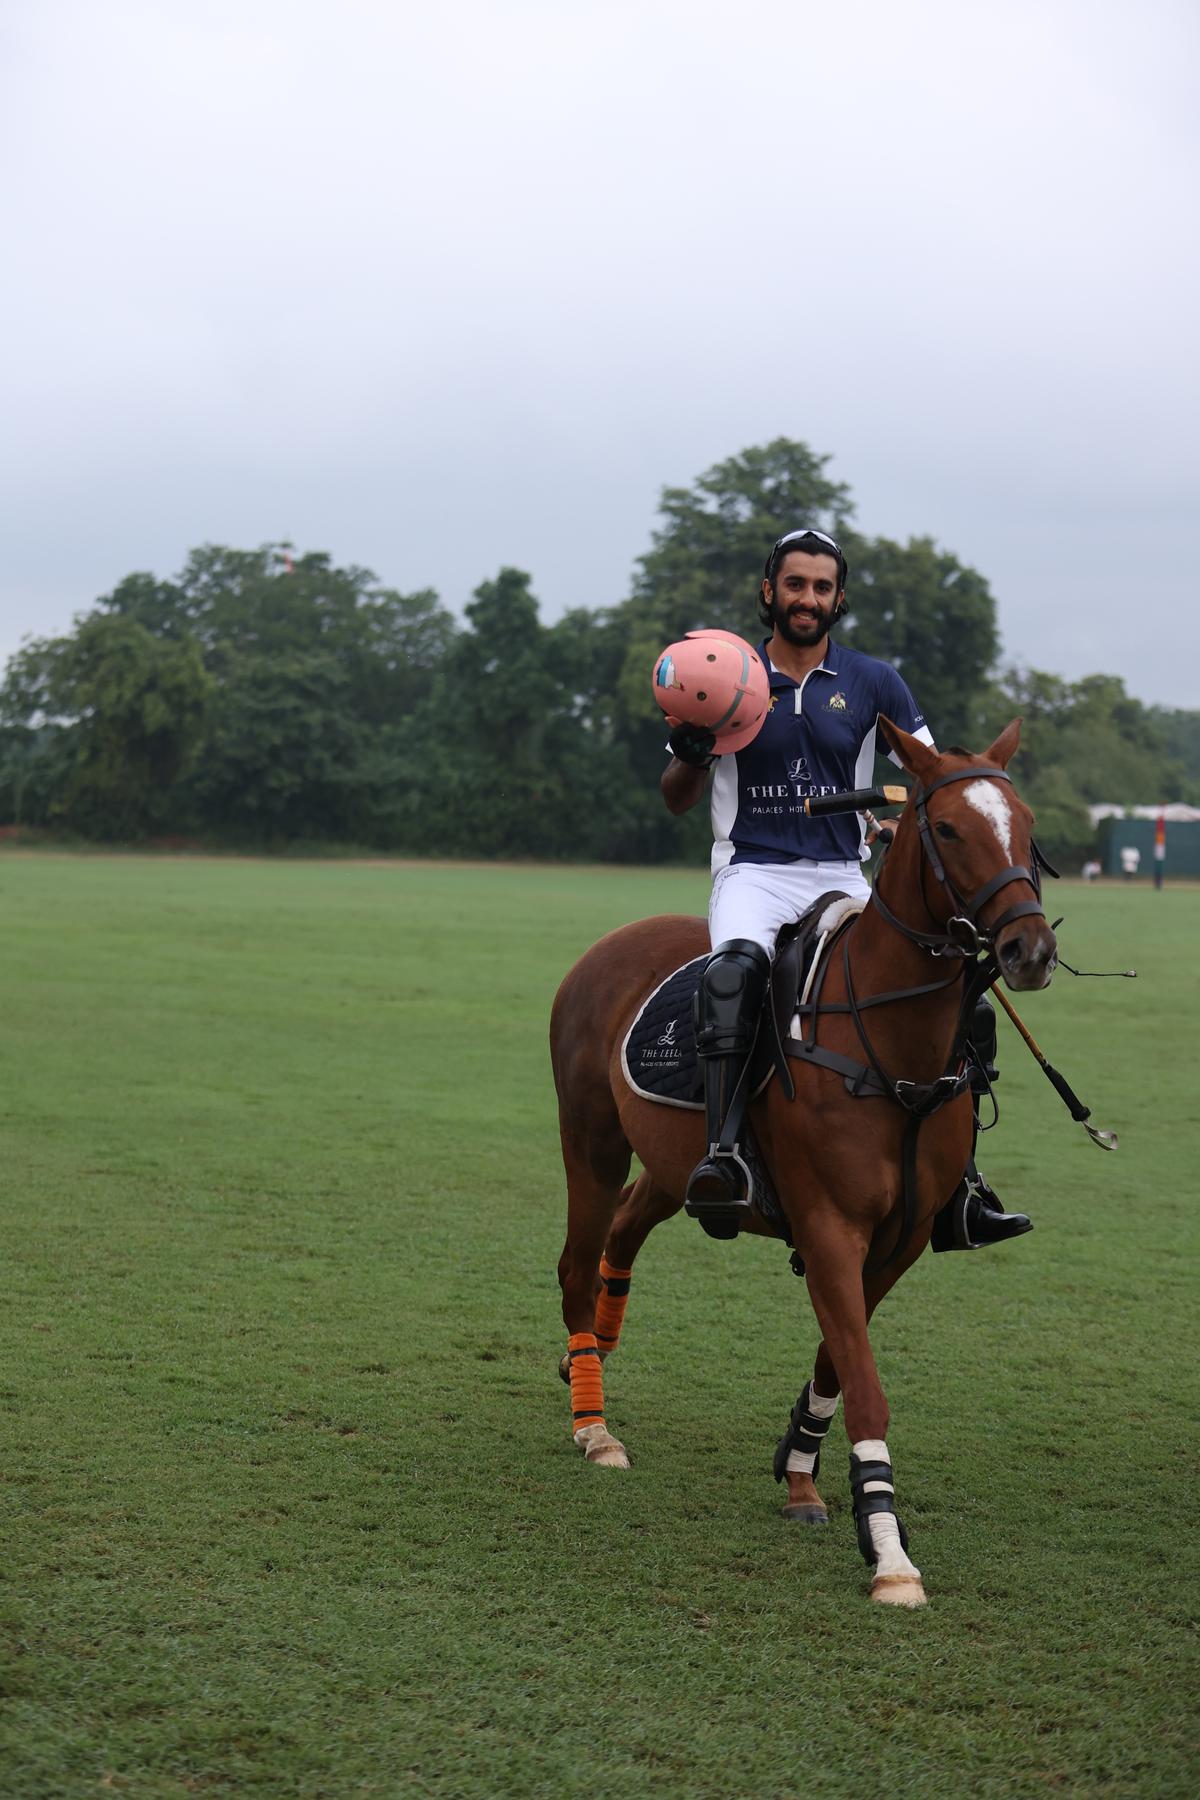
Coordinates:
(755, 900)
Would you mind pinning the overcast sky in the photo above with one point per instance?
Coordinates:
(438, 288)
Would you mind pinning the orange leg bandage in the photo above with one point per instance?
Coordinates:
(611, 1303)
(587, 1381)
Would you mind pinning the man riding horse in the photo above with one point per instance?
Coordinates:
(771, 861)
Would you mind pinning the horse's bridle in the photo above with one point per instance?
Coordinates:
(964, 935)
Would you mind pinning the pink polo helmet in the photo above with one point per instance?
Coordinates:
(717, 680)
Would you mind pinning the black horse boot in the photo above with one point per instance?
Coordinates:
(727, 1009)
(973, 1216)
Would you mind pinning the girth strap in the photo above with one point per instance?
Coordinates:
(862, 1082)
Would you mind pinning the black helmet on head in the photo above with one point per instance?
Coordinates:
(813, 543)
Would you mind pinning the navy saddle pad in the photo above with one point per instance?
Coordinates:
(659, 1053)
(660, 1063)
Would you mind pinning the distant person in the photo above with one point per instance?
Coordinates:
(1131, 860)
(770, 861)
(1091, 869)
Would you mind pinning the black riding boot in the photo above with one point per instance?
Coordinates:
(973, 1216)
(727, 1009)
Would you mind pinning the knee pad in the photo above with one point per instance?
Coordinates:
(732, 984)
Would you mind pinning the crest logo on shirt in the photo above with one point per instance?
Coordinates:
(798, 769)
(836, 702)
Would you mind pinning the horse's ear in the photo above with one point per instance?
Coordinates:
(1005, 745)
(914, 756)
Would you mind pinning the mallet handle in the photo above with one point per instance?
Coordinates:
(854, 800)
(1062, 1087)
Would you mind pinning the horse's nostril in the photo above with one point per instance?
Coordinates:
(1011, 953)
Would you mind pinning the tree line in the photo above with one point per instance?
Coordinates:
(262, 699)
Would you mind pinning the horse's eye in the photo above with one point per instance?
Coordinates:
(945, 831)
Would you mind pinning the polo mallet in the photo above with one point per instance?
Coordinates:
(1107, 1140)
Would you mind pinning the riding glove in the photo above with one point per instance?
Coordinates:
(693, 745)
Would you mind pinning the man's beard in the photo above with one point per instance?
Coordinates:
(803, 632)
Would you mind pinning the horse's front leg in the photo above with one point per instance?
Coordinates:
(798, 1454)
(834, 1254)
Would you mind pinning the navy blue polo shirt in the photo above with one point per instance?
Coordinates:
(818, 738)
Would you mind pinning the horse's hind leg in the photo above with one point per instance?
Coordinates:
(642, 1206)
(593, 1192)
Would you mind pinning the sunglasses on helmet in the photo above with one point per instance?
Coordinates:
(807, 531)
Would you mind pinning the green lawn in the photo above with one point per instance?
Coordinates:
(290, 1503)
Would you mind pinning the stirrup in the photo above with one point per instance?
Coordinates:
(973, 1217)
(720, 1194)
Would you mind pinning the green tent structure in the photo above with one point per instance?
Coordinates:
(1120, 826)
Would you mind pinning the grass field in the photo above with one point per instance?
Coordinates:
(290, 1503)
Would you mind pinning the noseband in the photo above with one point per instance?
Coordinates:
(964, 935)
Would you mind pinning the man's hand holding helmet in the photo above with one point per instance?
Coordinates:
(692, 744)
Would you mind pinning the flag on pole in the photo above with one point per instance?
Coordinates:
(1160, 847)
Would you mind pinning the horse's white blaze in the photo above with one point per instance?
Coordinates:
(885, 1533)
(990, 800)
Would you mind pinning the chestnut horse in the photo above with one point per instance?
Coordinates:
(956, 902)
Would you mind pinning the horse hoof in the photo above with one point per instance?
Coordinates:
(609, 1456)
(805, 1513)
(601, 1448)
(898, 1590)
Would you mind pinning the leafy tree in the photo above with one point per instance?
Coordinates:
(129, 710)
(315, 668)
(919, 608)
(265, 602)
(266, 696)
(281, 756)
(525, 776)
(1081, 742)
(1179, 731)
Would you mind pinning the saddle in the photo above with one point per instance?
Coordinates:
(658, 1056)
